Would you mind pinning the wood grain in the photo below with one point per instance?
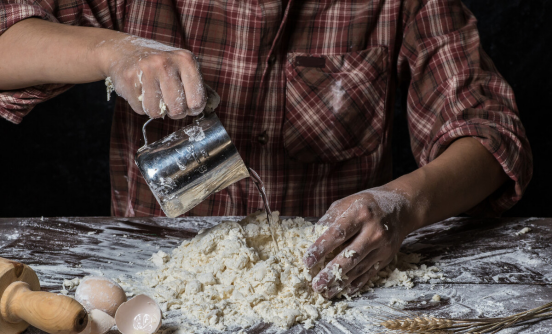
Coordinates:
(490, 271)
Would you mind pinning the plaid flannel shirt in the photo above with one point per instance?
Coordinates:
(307, 92)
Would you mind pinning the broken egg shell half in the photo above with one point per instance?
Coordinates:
(100, 293)
(99, 322)
(140, 315)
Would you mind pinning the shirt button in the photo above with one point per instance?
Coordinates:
(262, 138)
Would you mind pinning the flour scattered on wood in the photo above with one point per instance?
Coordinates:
(523, 231)
(232, 276)
(398, 303)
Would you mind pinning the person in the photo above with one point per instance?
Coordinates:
(307, 91)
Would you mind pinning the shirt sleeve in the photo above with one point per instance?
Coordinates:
(456, 91)
(15, 104)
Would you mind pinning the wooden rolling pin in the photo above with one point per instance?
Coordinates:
(23, 304)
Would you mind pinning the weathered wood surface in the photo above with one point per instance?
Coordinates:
(490, 270)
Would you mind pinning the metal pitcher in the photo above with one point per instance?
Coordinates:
(187, 166)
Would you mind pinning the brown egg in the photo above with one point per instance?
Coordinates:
(100, 293)
(140, 315)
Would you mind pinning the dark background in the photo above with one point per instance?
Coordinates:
(55, 163)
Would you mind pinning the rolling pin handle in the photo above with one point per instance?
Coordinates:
(54, 314)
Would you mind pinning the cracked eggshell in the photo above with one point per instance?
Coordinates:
(99, 322)
(140, 315)
(100, 293)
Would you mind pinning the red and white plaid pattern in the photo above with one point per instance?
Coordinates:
(307, 92)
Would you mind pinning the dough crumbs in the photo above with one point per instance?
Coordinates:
(159, 258)
(376, 265)
(348, 253)
(523, 231)
(398, 303)
(436, 299)
(162, 107)
(338, 273)
(109, 87)
(231, 276)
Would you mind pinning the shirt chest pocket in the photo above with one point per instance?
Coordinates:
(335, 104)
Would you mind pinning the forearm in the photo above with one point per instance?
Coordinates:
(37, 52)
(460, 178)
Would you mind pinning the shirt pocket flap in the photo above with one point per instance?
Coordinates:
(335, 104)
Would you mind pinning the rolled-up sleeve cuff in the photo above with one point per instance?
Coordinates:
(510, 148)
(11, 13)
(16, 104)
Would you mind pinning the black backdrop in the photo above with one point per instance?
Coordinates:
(56, 162)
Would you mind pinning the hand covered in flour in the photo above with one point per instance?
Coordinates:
(369, 227)
(156, 79)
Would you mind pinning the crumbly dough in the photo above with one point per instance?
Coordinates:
(233, 275)
(349, 253)
(109, 87)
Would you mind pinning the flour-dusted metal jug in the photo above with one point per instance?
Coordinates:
(187, 166)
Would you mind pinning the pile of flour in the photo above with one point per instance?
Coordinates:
(233, 275)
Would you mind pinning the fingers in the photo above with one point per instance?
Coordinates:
(156, 82)
(348, 261)
(359, 282)
(196, 96)
(131, 89)
(171, 83)
(343, 229)
(151, 95)
(345, 219)
(213, 99)
(356, 278)
(173, 95)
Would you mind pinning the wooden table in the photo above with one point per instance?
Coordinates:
(490, 271)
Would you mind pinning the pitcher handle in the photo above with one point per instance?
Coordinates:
(144, 132)
(196, 120)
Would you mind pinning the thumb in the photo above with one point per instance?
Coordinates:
(213, 100)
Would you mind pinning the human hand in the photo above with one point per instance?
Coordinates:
(371, 226)
(157, 79)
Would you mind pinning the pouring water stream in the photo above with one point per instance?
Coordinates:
(260, 186)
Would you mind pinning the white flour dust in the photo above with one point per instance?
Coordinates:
(523, 231)
(337, 94)
(388, 201)
(233, 276)
(148, 43)
(195, 133)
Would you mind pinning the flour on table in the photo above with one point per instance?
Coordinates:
(523, 231)
(398, 303)
(233, 276)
